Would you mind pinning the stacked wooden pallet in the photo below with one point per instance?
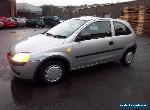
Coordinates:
(139, 18)
(131, 14)
(143, 21)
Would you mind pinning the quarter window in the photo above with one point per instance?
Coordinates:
(121, 29)
(99, 29)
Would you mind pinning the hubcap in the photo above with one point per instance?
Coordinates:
(53, 73)
(129, 57)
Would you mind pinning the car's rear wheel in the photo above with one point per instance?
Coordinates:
(52, 73)
(127, 58)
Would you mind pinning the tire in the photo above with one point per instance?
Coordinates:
(47, 74)
(127, 58)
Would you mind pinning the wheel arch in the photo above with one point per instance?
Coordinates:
(131, 47)
(53, 58)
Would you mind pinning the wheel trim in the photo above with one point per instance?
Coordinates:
(129, 57)
(53, 73)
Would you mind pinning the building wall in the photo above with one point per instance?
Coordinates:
(28, 11)
(5, 8)
(113, 9)
(8, 8)
(13, 8)
(28, 15)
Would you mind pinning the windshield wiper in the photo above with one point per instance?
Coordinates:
(56, 36)
(48, 34)
(59, 36)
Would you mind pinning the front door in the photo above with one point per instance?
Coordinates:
(97, 48)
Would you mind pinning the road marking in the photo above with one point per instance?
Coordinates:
(13, 32)
(4, 68)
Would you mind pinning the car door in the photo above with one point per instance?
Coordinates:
(97, 48)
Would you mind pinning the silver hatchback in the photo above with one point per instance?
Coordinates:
(73, 44)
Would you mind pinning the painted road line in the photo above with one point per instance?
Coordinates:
(4, 68)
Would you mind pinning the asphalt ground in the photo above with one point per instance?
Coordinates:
(101, 87)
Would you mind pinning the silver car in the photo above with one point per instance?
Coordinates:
(71, 45)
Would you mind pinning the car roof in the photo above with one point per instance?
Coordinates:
(88, 18)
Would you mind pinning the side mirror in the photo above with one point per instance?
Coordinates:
(82, 37)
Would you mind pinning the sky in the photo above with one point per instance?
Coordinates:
(68, 2)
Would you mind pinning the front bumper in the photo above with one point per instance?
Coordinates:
(22, 70)
(25, 72)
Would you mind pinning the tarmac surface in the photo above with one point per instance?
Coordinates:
(102, 87)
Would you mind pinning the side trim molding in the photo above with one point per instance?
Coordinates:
(98, 52)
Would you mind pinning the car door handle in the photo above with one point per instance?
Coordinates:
(111, 42)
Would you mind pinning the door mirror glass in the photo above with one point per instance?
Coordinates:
(83, 36)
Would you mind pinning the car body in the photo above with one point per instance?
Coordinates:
(31, 23)
(40, 23)
(1, 25)
(8, 22)
(35, 23)
(20, 22)
(71, 45)
(51, 20)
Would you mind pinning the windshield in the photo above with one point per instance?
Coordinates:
(66, 28)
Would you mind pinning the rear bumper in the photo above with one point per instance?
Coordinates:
(9, 26)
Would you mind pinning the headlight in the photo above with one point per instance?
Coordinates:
(21, 57)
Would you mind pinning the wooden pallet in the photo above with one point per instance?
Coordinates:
(138, 17)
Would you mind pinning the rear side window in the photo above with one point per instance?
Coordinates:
(121, 29)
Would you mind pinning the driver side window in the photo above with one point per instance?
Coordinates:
(98, 29)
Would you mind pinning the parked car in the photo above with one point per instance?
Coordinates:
(8, 22)
(20, 22)
(35, 23)
(1, 25)
(40, 23)
(31, 23)
(51, 20)
(71, 45)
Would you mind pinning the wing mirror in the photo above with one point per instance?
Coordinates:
(82, 37)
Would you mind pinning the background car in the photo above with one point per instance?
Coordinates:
(51, 20)
(1, 25)
(20, 22)
(35, 23)
(40, 23)
(8, 22)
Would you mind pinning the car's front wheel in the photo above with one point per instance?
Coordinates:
(52, 72)
(127, 58)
